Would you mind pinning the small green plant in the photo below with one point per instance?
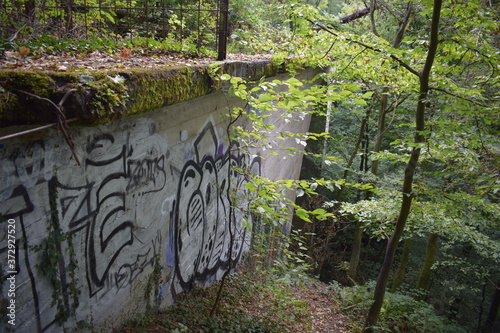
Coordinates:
(110, 95)
(295, 266)
(152, 286)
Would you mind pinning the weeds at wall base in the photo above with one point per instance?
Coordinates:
(252, 301)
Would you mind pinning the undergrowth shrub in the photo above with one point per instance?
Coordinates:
(295, 265)
(400, 313)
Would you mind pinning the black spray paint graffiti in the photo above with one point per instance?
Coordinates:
(26, 170)
(108, 207)
(94, 206)
(200, 239)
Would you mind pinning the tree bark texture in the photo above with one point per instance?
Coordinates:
(407, 195)
(356, 252)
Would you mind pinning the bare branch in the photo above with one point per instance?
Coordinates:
(61, 119)
(356, 15)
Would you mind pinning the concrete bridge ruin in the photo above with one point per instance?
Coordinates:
(131, 215)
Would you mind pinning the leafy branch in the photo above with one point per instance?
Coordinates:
(369, 47)
(458, 96)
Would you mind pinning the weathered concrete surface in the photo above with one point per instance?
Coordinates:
(143, 217)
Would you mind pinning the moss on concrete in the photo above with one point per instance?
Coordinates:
(101, 96)
(150, 90)
(15, 105)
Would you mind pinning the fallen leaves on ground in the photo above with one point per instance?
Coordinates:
(323, 308)
(97, 60)
(252, 303)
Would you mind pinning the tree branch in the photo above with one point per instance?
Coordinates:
(61, 119)
(356, 15)
(373, 6)
(457, 96)
(403, 25)
(392, 56)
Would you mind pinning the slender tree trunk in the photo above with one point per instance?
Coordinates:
(425, 273)
(401, 271)
(358, 231)
(358, 234)
(373, 4)
(362, 130)
(492, 315)
(356, 252)
(407, 195)
(380, 129)
(384, 98)
(329, 107)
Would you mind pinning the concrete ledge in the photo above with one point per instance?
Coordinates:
(100, 96)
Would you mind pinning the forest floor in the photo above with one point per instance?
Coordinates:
(323, 310)
(251, 302)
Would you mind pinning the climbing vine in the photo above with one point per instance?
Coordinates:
(52, 265)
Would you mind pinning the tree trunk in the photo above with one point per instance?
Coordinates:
(329, 107)
(407, 195)
(401, 271)
(353, 155)
(384, 98)
(358, 235)
(356, 252)
(425, 273)
(373, 5)
(358, 231)
(492, 315)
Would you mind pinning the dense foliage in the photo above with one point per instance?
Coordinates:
(374, 84)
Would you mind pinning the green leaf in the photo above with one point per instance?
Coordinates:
(319, 211)
(302, 213)
(246, 224)
(360, 101)
(251, 187)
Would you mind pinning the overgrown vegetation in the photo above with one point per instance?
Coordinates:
(252, 301)
(400, 313)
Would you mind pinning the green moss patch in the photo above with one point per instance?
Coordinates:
(101, 96)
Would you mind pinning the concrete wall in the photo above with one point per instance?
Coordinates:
(143, 218)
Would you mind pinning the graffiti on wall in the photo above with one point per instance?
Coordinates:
(98, 207)
(201, 209)
(126, 201)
